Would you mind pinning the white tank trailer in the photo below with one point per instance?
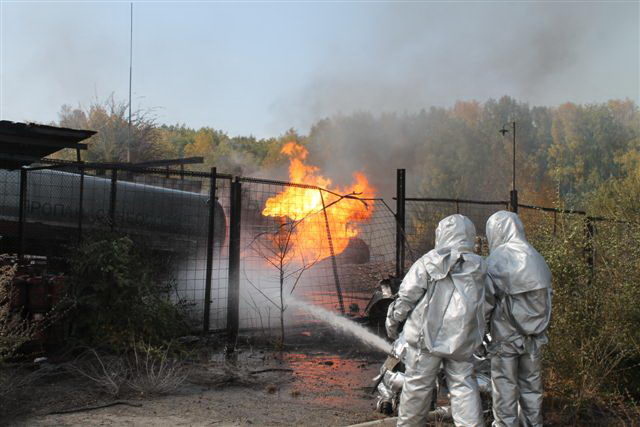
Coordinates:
(168, 219)
(53, 198)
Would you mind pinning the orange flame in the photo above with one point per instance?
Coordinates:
(309, 237)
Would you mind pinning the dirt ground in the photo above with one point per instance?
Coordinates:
(298, 387)
(303, 386)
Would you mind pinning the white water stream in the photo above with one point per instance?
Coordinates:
(342, 324)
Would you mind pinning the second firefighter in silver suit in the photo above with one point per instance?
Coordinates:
(442, 301)
(519, 295)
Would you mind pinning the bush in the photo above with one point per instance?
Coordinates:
(14, 329)
(593, 348)
(119, 294)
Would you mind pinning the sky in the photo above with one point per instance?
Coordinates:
(261, 68)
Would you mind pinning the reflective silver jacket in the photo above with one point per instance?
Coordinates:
(518, 297)
(442, 295)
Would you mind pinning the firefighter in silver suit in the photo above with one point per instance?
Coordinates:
(442, 301)
(518, 299)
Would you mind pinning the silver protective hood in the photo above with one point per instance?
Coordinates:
(514, 265)
(455, 235)
(441, 296)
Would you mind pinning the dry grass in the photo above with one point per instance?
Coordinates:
(153, 372)
(147, 370)
(108, 373)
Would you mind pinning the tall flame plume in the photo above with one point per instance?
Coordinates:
(322, 218)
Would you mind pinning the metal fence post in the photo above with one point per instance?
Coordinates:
(334, 264)
(233, 291)
(22, 214)
(81, 203)
(112, 198)
(211, 225)
(400, 201)
(513, 203)
(589, 250)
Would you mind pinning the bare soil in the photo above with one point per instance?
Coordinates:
(297, 387)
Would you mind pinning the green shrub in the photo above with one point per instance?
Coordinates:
(119, 295)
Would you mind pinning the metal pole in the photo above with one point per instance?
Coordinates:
(112, 198)
(514, 192)
(22, 214)
(336, 277)
(212, 216)
(233, 292)
(513, 201)
(130, 79)
(589, 249)
(514, 157)
(400, 214)
(81, 203)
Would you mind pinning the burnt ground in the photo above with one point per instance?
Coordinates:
(313, 383)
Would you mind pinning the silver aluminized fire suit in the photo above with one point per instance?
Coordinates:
(442, 300)
(519, 295)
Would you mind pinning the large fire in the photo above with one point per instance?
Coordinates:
(303, 207)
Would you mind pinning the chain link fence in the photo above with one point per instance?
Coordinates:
(335, 254)
(303, 241)
(290, 239)
(423, 215)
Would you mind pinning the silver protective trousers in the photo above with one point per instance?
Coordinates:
(516, 381)
(420, 378)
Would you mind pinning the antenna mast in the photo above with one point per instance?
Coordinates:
(130, 77)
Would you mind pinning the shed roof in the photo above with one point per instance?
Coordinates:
(25, 143)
